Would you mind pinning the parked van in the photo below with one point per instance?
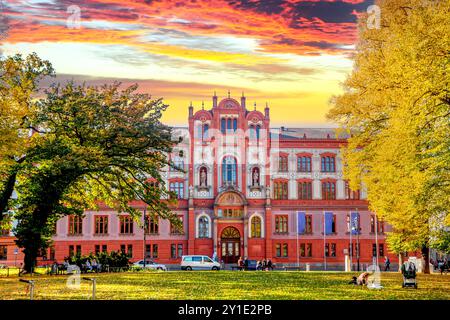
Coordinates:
(198, 263)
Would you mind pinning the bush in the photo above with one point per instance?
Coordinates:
(114, 259)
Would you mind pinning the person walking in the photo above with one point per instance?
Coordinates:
(387, 264)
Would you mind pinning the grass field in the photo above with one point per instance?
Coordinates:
(227, 285)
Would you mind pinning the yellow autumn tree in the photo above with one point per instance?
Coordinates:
(396, 105)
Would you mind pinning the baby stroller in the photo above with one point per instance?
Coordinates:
(409, 275)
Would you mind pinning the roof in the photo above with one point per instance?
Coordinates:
(306, 133)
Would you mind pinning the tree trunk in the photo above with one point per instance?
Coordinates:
(426, 259)
(400, 262)
(8, 190)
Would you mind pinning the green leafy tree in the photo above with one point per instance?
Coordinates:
(92, 145)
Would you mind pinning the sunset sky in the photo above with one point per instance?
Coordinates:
(292, 54)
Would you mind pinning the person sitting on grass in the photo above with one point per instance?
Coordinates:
(269, 264)
(362, 279)
(353, 281)
(258, 265)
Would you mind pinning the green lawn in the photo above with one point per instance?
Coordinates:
(227, 285)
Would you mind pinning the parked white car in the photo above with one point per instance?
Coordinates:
(149, 264)
(199, 263)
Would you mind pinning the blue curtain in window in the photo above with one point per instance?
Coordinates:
(301, 222)
(328, 222)
(257, 132)
(234, 124)
(229, 124)
(223, 125)
(205, 131)
(229, 169)
(355, 222)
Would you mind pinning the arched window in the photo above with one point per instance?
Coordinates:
(255, 177)
(234, 125)
(229, 170)
(256, 227)
(223, 125)
(203, 177)
(203, 227)
(205, 131)
(229, 124)
(258, 128)
(252, 132)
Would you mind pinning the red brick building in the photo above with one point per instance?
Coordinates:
(248, 190)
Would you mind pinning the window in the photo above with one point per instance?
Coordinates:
(178, 162)
(329, 190)
(232, 213)
(330, 249)
(3, 252)
(177, 231)
(305, 250)
(71, 250)
(52, 253)
(151, 251)
(223, 125)
(381, 249)
(101, 225)
(258, 129)
(178, 188)
(379, 224)
(283, 164)
(374, 249)
(308, 223)
(126, 225)
(229, 170)
(176, 250)
(104, 248)
(152, 225)
(97, 249)
(234, 125)
(4, 232)
(130, 250)
(305, 190)
(281, 224)
(304, 164)
(255, 132)
(280, 190)
(203, 227)
(353, 252)
(328, 164)
(255, 227)
(75, 225)
(281, 250)
(349, 194)
(78, 247)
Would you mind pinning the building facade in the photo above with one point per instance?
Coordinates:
(246, 189)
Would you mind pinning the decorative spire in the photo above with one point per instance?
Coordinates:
(243, 94)
(190, 104)
(203, 105)
(215, 93)
(267, 105)
(228, 93)
(254, 105)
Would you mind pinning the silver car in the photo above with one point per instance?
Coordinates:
(149, 264)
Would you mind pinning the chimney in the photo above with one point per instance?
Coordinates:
(243, 100)
(214, 100)
(191, 110)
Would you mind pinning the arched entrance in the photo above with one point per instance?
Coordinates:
(231, 244)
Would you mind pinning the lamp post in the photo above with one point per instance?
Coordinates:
(145, 232)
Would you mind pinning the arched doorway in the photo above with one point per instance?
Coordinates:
(231, 245)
